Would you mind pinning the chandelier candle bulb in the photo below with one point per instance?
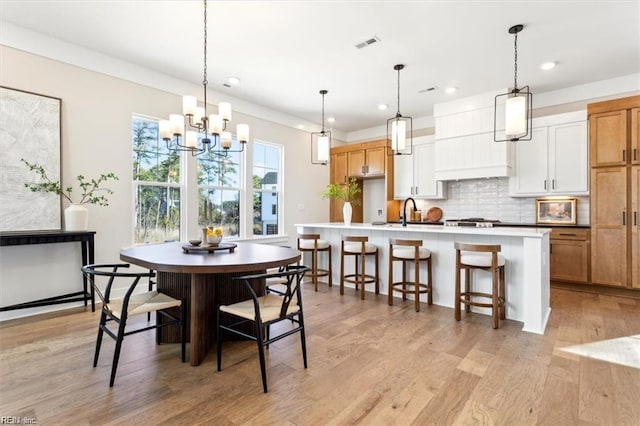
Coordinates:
(242, 132)
(224, 109)
(215, 124)
(164, 127)
(225, 140)
(192, 139)
(189, 105)
(197, 118)
(177, 124)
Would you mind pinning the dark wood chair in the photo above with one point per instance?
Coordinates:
(410, 252)
(119, 310)
(359, 247)
(484, 257)
(314, 244)
(263, 311)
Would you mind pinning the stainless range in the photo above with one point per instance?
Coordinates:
(477, 222)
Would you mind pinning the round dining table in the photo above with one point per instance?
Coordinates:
(203, 279)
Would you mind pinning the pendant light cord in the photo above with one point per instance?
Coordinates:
(204, 81)
(323, 113)
(515, 63)
(398, 112)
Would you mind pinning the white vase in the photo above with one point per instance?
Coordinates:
(346, 213)
(76, 218)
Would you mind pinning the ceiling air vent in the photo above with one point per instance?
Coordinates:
(368, 42)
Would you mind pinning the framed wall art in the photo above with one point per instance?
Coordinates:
(30, 128)
(557, 211)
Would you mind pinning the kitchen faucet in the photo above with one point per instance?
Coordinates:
(404, 210)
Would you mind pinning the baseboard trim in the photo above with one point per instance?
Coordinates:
(597, 289)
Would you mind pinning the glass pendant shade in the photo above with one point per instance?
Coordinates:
(515, 117)
(323, 148)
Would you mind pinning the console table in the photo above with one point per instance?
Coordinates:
(86, 239)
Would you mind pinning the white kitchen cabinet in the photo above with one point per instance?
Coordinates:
(414, 175)
(472, 157)
(554, 162)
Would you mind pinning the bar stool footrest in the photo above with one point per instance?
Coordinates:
(479, 304)
(355, 279)
(319, 273)
(424, 288)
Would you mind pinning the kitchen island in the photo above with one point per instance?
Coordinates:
(525, 249)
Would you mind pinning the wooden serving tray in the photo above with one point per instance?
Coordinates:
(188, 248)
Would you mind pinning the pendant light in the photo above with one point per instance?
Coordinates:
(516, 106)
(210, 129)
(399, 127)
(321, 141)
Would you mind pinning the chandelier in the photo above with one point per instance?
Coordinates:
(398, 126)
(181, 132)
(516, 106)
(321, 141)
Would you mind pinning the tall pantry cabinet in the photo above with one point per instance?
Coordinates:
(614, 146)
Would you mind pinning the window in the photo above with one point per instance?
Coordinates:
(219, 187)
(267, 160)
(245, 200)
(156, 181)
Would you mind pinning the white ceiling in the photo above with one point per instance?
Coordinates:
(284, 52)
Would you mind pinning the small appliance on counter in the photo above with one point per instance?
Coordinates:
(478, 222)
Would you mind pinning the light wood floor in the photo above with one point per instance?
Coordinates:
(368, 364)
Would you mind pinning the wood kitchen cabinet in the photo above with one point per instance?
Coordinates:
(569, 255)
(615, 191)
(555, 161)
(367, 162)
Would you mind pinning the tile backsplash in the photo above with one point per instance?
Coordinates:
(489, 198)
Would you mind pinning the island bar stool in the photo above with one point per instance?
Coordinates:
(407, 252)
(359, 248)
(313, 244)
(487, 258)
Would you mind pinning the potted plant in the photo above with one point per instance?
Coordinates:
(76, 216)
(346, 192)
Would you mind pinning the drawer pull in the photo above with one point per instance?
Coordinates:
(624, 155)
(624, 218)
(635, 218)
(569, 235)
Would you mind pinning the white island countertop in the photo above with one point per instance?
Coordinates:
(506, 231)
(526, 250)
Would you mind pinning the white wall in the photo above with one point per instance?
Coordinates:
(96, 138)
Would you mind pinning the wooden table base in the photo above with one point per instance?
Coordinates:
(199, 292)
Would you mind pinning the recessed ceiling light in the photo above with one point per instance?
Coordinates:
(382, 107)
(450, 90)
(300, 126)
(233, 80)
(331, 119)
(548, 65)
